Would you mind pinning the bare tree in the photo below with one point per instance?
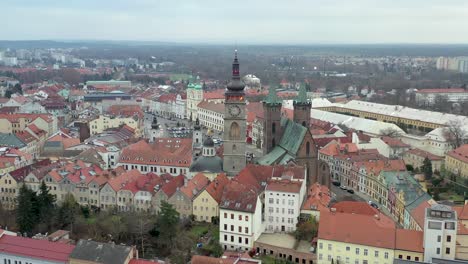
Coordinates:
(390, 132)
(455, 133)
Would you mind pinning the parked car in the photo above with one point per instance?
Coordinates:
(350, 190)
(343, 187)
(371, 203)
(336, 183)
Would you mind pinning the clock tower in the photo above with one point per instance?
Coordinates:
(234, 123)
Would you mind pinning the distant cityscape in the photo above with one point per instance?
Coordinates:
(181, 154)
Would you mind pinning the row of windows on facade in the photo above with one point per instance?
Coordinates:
(246, 240)
(144, 168)
(239, 228)
(347, 260)
(195, 208)
(357, 251)
(438, 225)
(246, 217)
(283, 201)
(283, 210)
(9, 261)
(283, 219)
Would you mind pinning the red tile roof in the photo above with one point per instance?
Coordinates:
(216, 94)
(360, 229)
(460, 153)
(318, 198)
(195, 185)
(239, 197)
(211, 106)
(284, 186)
(353, 207)
(32, 248)
(336, 148)
(216, 187)
(121, 180)
(126, 110)
(419, 213)
(171, 187)
(164, 152)
(394, 142)
(409, 240)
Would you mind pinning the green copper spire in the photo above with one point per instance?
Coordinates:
(302, 95)
(271, 97)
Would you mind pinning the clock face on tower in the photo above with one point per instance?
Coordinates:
(234, 110)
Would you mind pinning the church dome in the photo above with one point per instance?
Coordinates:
(208, 142)
(212, 164)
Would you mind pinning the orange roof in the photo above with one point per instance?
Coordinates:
(126, 110)
(121, 180)
(419, 213)
(335, 148)
(211, 106)
(318, 198)
(353, 207)
(171, 187)
(394, 142)
(216, 187)
(164, 152)
(25, 136)
(195, 185)
(284, 186)
(462, 212)
(360, 229)
(216, 94)
(409, 240)
(460, 153)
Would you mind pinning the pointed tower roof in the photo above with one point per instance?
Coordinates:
(302, 96)
(236, 85)
(272, 98)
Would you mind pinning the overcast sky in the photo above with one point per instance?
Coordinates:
(241, 21)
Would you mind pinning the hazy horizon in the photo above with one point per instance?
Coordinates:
(297, 22)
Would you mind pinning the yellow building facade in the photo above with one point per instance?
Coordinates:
(456, 161)
(9, 189)
(205, 207)
(104, 122)
(341, 252)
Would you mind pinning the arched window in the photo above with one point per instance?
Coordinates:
(273, 128)
(234, 147)
(273, 143)
(234, 132)
(308, 148)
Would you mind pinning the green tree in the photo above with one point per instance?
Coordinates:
(67, 211)
(165, 230)
(427, 168)
(45, 199)
(26, 215)
(307, 230)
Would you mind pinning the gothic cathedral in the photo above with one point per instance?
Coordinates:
(234, 123)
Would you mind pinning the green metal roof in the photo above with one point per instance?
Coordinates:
(10, 140)
(404, 182)
(272, 98)
(195, 86)
(302, 95)
(292, 137)
(286, 158)
(272, 157)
